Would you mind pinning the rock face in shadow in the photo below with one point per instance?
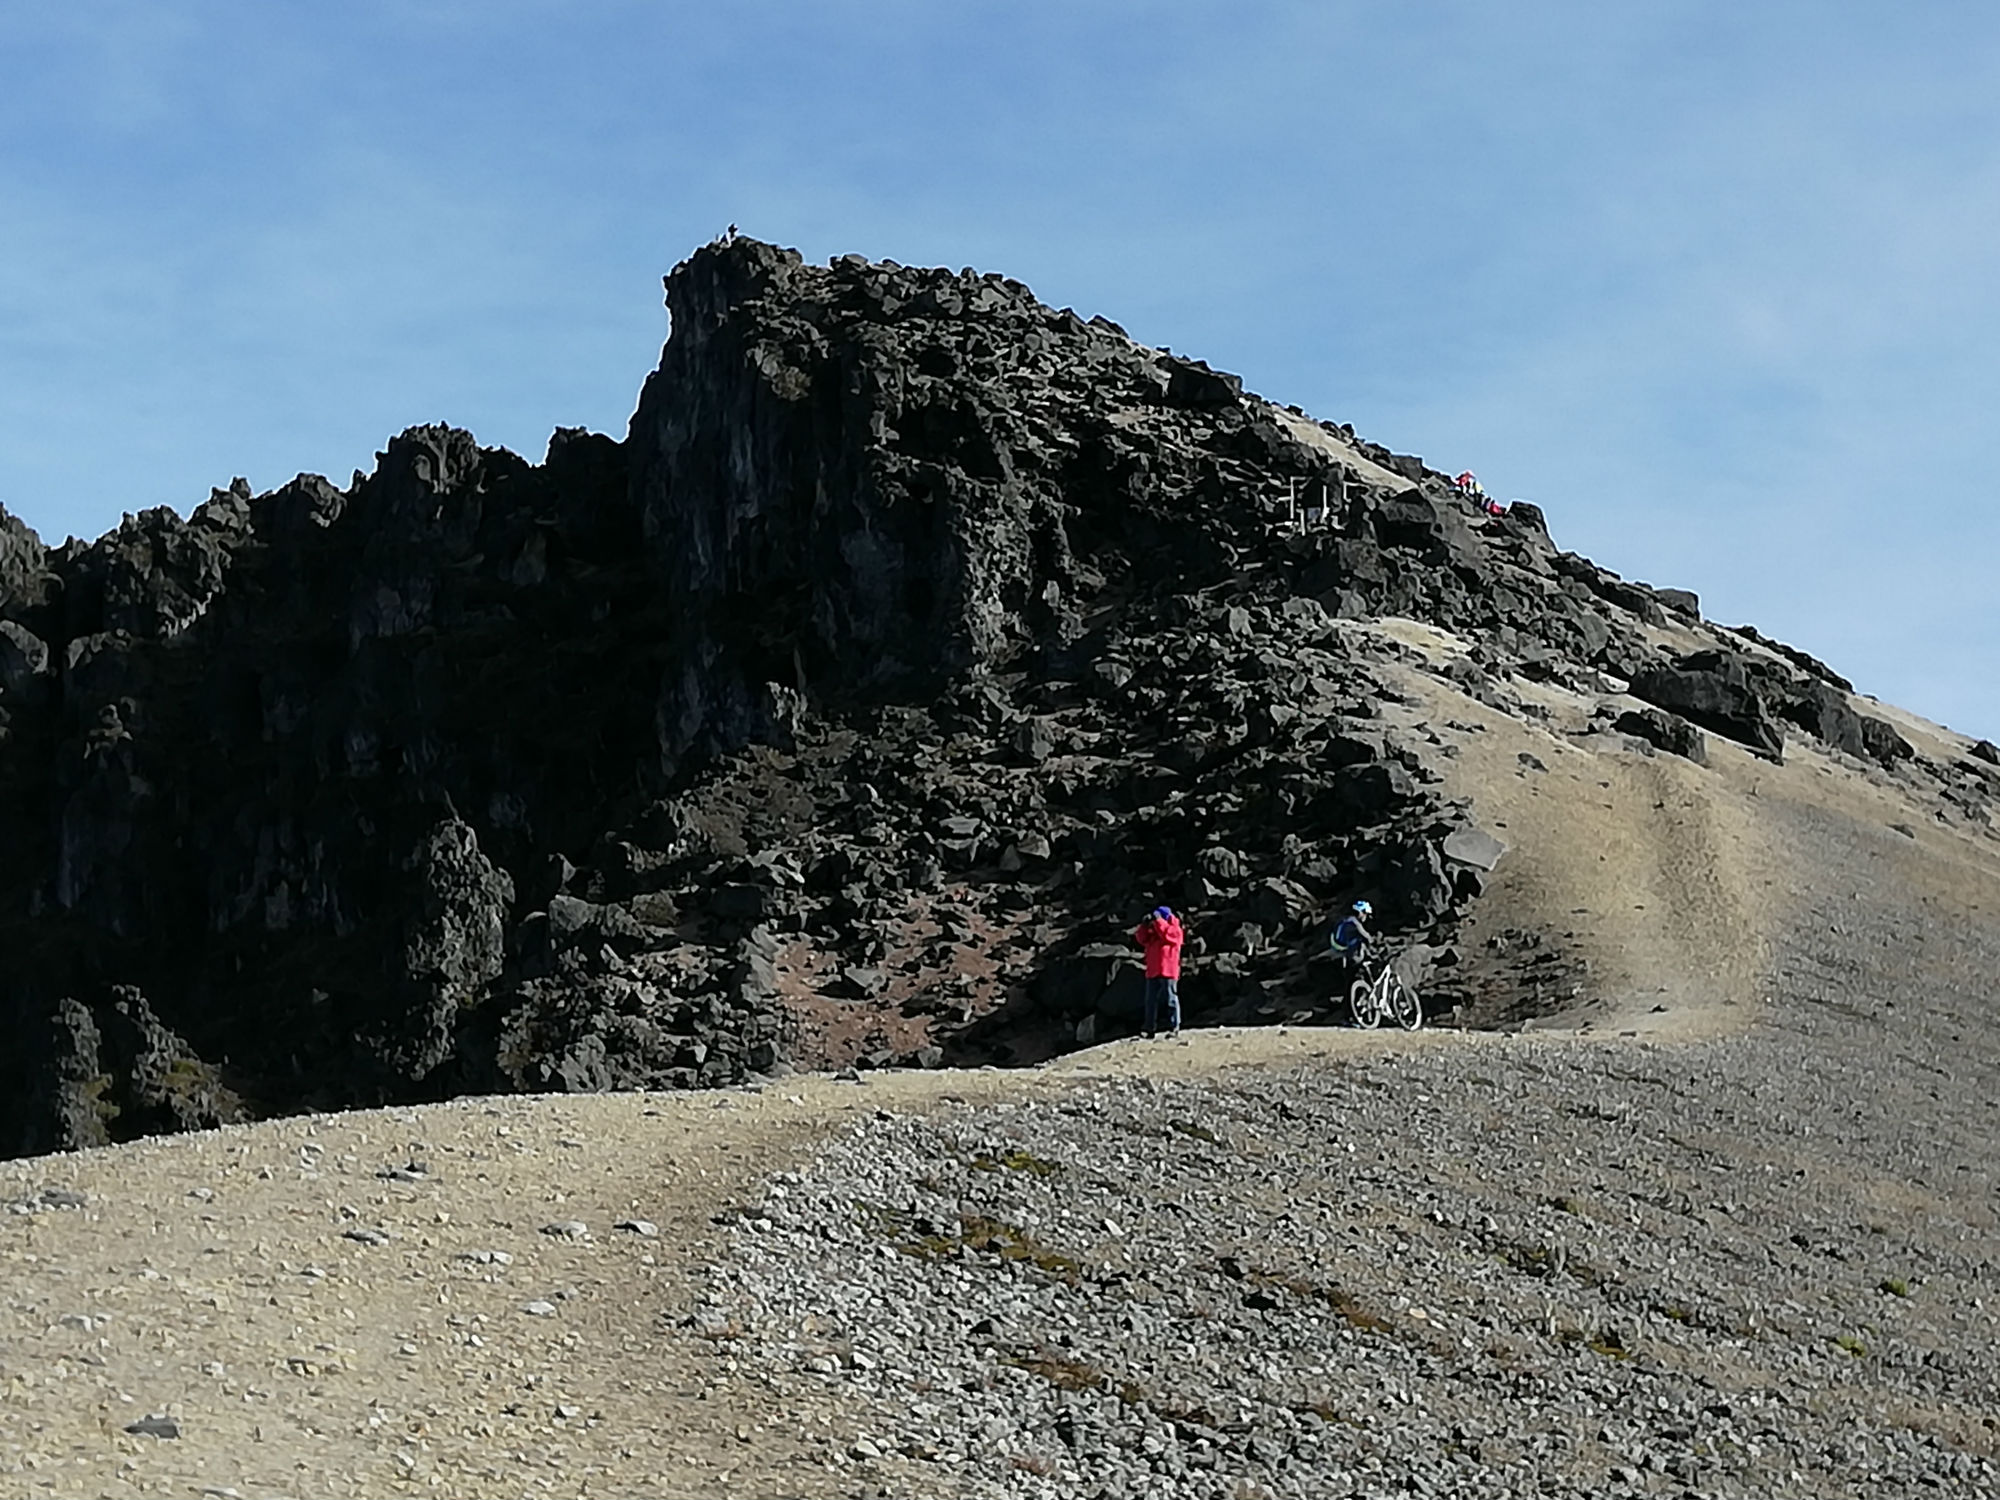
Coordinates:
(1664, 731)
(1716, 692)
(915, 640)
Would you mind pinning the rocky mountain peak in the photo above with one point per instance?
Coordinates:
(915, 640)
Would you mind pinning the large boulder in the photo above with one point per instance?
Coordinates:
(454, 945)
(1415, 884)
(1088, 981)
(1822, 711)
(1664, 731)
(1683, 602)
(1474, 848)
(26, 580)
(24, 657)
(1192, 383)
(1880, 740)
(1716, 692)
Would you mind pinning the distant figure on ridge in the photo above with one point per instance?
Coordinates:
(1160, 935)
(1469, 486)
(729, 235)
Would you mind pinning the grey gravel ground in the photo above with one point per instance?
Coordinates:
(1494, 1266)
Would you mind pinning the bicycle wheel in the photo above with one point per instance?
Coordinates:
(1361, 1005)
(1403, 1005)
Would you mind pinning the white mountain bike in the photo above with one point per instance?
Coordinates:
(1381, 994)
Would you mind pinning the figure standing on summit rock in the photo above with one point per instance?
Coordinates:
(1160, 935)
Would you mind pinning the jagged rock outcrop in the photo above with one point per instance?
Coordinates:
(917, 637)
(25, 579)
(1716, 692)
(1664, 731)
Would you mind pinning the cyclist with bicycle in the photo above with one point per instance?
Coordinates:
(1377, 996)
(1351, 938)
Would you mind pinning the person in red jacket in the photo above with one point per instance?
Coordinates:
(1160, 935)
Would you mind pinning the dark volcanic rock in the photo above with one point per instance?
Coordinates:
(26, 581)
(1748, 697)
(454, 945)
(24, 659)
(913, 622)
(1823, 711)
(1880, 740)
(1683, 602)
(1718, 693)
(1669, 732)
(1812, 666)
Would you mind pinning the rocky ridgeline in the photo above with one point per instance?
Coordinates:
(916, 638)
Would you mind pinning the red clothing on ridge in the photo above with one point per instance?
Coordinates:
(1162, 942)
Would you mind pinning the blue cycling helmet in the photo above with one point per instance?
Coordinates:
(1363, 909)
(1163, 912)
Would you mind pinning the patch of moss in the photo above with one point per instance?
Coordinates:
(1176, 1410)
(1548, 1261)
(1351, 1312)
(1017, 1161)
(1847, 1343)
(196, 1091)
(99, 1108)
(1343, 1303)
(1609, 1343)
(996, 1237)
(899, 1226)
(1066, 1372)
(97, 1089)
(187, 1079)
(1893, 1286)
(923, 1240)
(1063, 1371)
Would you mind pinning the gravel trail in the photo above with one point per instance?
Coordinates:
(1761, 1265)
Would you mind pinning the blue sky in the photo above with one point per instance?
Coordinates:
(1712, 283)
